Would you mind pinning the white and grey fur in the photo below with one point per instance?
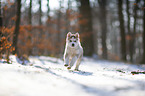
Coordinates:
(73, 51)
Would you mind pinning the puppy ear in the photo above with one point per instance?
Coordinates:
(68, 34)
(77, 35)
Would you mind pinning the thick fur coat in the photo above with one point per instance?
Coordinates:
(73, 51)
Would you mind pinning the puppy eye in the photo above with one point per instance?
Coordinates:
(70, 41)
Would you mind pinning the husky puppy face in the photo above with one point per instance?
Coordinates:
(72, 40)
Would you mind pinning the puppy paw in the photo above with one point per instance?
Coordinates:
(69, 67)
(76, 69)
(65, 65)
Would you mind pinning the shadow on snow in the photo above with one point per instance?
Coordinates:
(86, 88)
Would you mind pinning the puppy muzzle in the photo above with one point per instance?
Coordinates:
(73, 45)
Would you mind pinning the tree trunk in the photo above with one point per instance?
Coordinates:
(86, 27)
(102, 4)
(58, 35)
(67, 18)
(122, 30)
(30, 24)
(1, 22)
(40, 13)
(48, 10)
(143, 58)
(30, 13)
(134, 31)
(129, 32)
(59, 21)
(16, 32)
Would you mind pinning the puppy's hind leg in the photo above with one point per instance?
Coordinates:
(72, 62)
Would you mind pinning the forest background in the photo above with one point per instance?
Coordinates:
(109, 29)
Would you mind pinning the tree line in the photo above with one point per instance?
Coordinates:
(109, 29)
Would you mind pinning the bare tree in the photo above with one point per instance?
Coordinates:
(40, 12)
(16, 32)
(133, 39)
(86, 27)
(30, 13)
(102, 4)
(30, 23)
(122, 30)
(59, 16)
(1, 23)
(129, 32)
(48, 10)
(143, 58)
(67, 16)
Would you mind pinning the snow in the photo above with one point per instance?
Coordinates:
(48, 77)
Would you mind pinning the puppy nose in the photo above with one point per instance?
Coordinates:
(73, 45)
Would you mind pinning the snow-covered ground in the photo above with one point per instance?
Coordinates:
(48, 77)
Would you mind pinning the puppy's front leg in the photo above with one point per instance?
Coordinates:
(66, 59)
(73, 60)
(78, 62)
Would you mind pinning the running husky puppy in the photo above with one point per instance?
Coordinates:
(73, 51)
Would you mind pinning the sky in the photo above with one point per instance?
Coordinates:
(53, 4)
